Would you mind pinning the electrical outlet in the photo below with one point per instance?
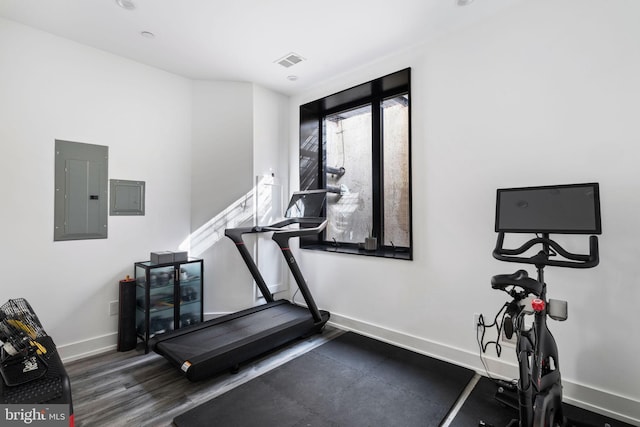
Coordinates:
(113, 308)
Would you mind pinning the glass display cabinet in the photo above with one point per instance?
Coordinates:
(168, 296)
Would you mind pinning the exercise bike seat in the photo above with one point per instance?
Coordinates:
(520, 278)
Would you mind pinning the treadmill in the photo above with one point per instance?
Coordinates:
(225, 342)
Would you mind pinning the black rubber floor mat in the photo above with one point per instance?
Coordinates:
(350, 381)
(481, 406)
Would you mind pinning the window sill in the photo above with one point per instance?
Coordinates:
(404, 254)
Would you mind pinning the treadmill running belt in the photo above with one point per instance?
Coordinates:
(228, 342)
(208, 339)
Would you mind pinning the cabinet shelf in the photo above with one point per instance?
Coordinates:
(155, 309)
(168, 296)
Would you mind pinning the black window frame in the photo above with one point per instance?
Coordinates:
(312, 157)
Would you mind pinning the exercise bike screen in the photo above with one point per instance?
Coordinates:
(565, 209)
(306, 204)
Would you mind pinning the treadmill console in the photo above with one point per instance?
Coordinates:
(306, 204)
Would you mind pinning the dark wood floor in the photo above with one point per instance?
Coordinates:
(136, 389)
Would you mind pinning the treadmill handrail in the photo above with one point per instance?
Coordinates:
(281, 237)
(278, 227)
(235, 234)
(281, 234)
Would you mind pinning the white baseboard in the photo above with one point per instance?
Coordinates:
(599, 401)
(91, 347)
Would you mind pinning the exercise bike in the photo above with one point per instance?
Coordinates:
(538, 390)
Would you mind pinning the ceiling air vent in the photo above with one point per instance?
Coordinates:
(289, 60)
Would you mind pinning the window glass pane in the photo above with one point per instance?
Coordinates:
(395, 123)
(348, 146)
(309, 161)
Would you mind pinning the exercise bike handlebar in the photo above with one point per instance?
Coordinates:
(542, 257)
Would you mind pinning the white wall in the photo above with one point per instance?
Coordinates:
(222, 171)
(271, 148)
(239, 132)
(270, 125)
(545, 93)
(51, 89)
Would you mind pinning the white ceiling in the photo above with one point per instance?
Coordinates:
(240, 40)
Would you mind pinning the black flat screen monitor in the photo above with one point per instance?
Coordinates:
(306, 204)
(563, 209)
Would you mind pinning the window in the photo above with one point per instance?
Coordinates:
(356, 144)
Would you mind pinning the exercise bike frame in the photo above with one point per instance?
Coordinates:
(539, 387)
